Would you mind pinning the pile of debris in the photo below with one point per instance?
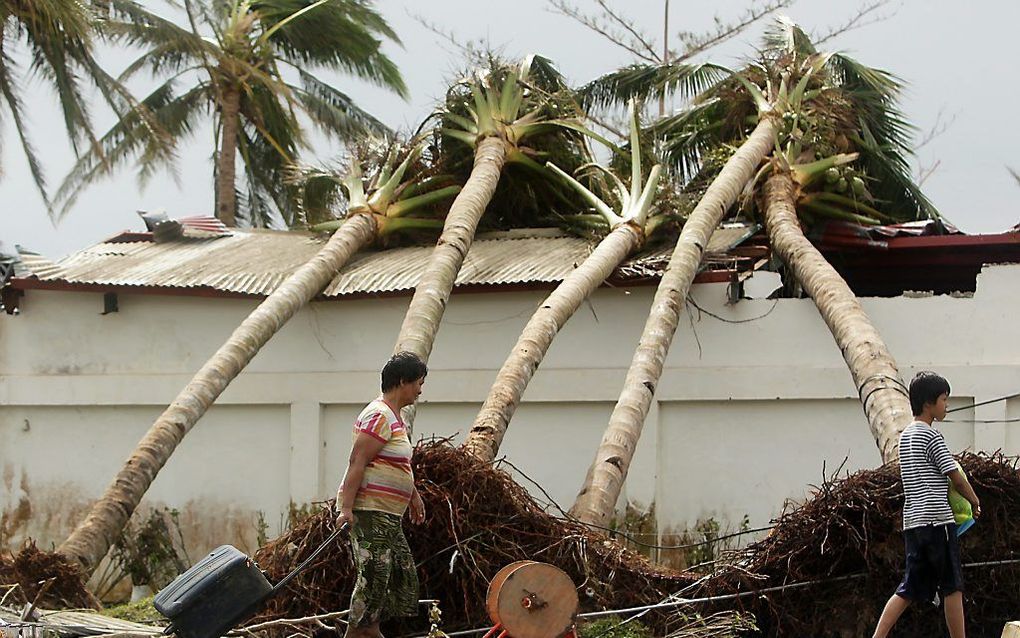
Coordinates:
(825, 569)
(832, 562)
(43, 579)
(478, 520)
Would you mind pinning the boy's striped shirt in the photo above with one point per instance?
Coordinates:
(924, 462)
(388, 482)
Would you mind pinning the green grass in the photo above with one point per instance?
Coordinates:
(610, 627)
(140, 611)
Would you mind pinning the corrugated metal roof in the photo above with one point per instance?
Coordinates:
(256, 262)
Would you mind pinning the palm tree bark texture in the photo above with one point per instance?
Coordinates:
(872, 367)
(490, 425)
(596, 501)
(425, 312)
(91, 540)
(226, 196)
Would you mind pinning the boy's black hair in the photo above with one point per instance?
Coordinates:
(401, 368)
(926, 387)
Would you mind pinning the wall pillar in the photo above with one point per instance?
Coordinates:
(306, 452)
(989, 437)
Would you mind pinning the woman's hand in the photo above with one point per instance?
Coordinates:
(417, 509)
(346, 516)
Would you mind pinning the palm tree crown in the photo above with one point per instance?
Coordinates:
(252, 64)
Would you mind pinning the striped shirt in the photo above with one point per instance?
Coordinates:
(924, 462)
(388, 482)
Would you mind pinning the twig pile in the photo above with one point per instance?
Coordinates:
(851, 528)
(478, 520)
(47, 579)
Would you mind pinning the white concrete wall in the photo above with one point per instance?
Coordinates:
(746, 415)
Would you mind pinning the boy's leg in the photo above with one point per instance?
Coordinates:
(954, 615)
(894, 608)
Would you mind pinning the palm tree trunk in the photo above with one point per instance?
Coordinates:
(421, 323)
(490, 425)
(872, 367)
(597, 498)
(226, 173)
(93, 537)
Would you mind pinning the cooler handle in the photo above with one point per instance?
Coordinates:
(300, 568)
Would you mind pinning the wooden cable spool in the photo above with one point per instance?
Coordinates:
(529, 599)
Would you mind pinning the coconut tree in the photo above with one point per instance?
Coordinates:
(496, 115)
(376, 209)
(253, 65)
(58, 39)
(626, 235)
(818, 106)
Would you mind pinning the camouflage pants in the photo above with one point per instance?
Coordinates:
(387, 581)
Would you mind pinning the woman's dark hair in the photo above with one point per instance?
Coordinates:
(926, 387)
(401, 368)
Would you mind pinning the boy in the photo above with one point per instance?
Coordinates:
(929, 529)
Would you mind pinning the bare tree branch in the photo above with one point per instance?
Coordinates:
(475, 50)
(600, 27)
(630, 28)
(924, 172)
(941, 125)
(1014, 173)
(938, 128)
(699, 43)
(864, 17)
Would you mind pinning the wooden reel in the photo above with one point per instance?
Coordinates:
(528, 599)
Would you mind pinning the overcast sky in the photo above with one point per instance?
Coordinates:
(957, 61)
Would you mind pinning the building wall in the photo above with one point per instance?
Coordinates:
(755, 404)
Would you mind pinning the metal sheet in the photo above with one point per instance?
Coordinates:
(256, 262)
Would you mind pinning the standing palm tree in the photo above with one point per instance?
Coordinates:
(626, 235)
(377, 213)
(235, 59)
(835, 105)
(58, 38)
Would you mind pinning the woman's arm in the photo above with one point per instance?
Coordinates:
(366, 447)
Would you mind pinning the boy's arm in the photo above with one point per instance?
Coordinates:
(962, 486)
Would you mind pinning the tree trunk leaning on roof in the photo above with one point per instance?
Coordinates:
(628, 233)
(596, 501)
(91, 540)
(425, 312)
(872, 367)
(504, 397)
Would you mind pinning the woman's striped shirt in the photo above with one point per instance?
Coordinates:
(388, 482)
(924, 462)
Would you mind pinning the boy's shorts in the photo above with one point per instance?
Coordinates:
(933, 563)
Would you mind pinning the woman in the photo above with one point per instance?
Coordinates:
(376, 490)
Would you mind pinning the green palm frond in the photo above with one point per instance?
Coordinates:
(12, 96)
(687, 136)
(169, 46)
(250, 40)
(132, 139)
(265, 205)
(57, 36)
(649, 81)
(784, 36)
(334, 111)
(345, 34)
